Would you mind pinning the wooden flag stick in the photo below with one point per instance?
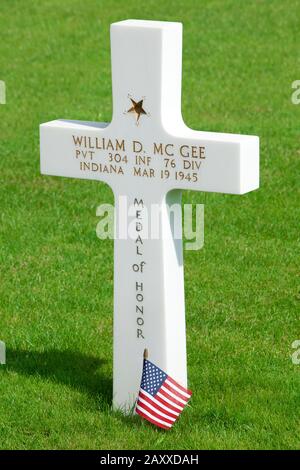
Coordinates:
(145, 353)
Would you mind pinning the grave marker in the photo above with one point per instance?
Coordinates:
(148, 155)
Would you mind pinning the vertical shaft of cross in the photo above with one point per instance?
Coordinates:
(148, 291)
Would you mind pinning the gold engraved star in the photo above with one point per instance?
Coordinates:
(137, 108)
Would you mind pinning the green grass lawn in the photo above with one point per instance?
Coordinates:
(56, 277)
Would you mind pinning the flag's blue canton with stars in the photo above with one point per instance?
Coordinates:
(161, 399)
(152, 378)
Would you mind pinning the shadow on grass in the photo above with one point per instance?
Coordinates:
(71, 368)
(76, 370)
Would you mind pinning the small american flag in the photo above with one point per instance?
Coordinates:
(161, 399)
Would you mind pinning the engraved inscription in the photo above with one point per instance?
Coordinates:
(161, 161)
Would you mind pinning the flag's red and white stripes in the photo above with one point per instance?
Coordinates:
(163, 408)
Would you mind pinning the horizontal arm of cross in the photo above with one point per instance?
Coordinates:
(185, 159)
(214, 162)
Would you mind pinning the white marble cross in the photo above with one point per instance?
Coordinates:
(148, 155)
